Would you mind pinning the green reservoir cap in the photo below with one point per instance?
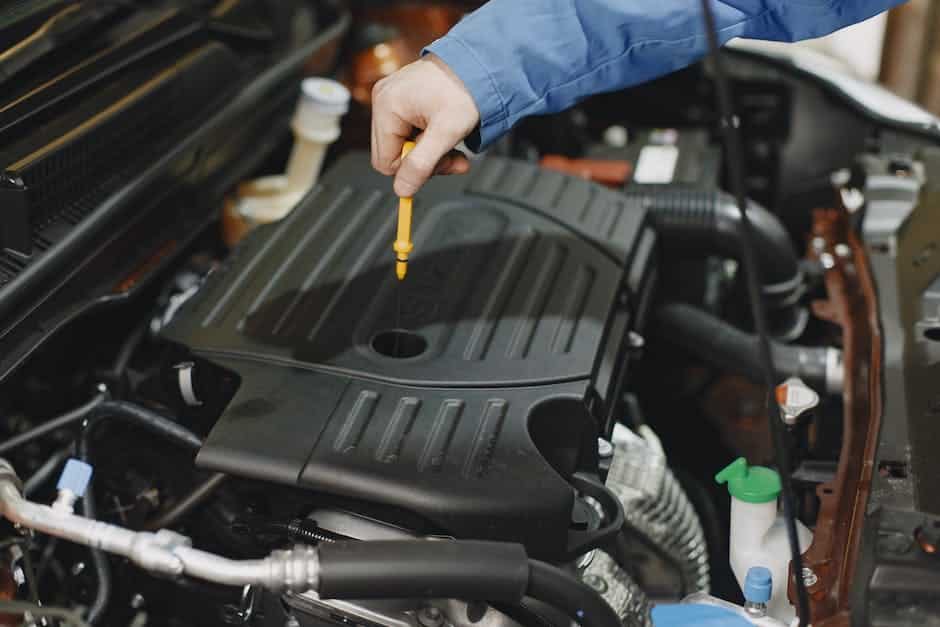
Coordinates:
(752, 484)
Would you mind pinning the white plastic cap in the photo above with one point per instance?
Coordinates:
(325, 96)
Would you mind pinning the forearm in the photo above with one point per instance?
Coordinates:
(526, 57)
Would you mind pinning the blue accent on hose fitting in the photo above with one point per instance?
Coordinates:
(75, 477)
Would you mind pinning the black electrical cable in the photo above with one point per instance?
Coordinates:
(47, 470)
(102, 566)
(68, 418)
(128, 348)
(729, 124)
(153, 422)
(199, 495)
(46, 559)
(29, 571)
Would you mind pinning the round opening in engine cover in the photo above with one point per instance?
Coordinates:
(468, 394)
(399, 343)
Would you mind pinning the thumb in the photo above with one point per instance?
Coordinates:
(418, 166)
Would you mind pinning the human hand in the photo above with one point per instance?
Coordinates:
(428, 96)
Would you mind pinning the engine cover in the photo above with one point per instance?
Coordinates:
(474, 405)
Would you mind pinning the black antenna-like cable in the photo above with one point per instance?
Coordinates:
(732, 140)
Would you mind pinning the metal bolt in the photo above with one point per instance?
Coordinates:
(616, 136)
(604, 448)
(755, 610)
(596, 582)
(795, 399)
(818, 244)
(841, 178)
(852, 199)
(809, 577)
(635, 340)
(291, 621)
(78, 568)
(828, 261)
(138, 601)
(430, 616)
(843, 251)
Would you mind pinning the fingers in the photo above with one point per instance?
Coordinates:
(389, 132)
(453, 163)
(427, 95)
(421, 163)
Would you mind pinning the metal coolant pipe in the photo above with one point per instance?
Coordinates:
(396, 569)
(165, 552)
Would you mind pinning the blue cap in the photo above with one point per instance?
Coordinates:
(758, 585)
(75, 477)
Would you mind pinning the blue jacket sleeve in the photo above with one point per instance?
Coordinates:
(526, 57)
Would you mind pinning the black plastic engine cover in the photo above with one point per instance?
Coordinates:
(519, 294)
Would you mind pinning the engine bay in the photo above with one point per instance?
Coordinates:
(559, 416)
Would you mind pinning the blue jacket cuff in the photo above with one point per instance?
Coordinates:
(481, 85)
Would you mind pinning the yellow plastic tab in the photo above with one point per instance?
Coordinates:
(403, 245)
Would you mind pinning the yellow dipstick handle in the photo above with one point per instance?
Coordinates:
(403, 245)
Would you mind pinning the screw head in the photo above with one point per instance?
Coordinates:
(138, 601)
(430, 616)
(596, 582)
(843, 251)
(809, 577)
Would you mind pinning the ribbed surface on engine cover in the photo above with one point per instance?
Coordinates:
(521, 288)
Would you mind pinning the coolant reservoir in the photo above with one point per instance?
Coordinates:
(316, 125)
(758, 531)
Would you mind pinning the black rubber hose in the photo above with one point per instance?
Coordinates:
(716, 342)
(397, 569)
(697, 222)
(148, 419)
(709, 221)
(471, 570)
(559, 589)
(68, 418)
